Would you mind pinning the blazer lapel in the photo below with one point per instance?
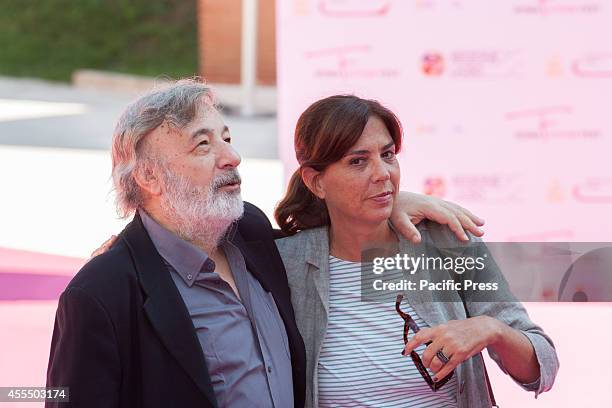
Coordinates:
(317, 255)
(165, 308)
(421, 300)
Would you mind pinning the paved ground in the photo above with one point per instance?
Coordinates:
(39, 113)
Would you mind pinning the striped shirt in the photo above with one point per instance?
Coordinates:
(360, 364)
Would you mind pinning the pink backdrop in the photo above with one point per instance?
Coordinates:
(505, 104)
(506, 110)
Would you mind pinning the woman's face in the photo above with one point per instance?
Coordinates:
(363, 184)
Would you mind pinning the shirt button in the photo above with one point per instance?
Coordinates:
(209, 265)
(270, 369)
(189, 276)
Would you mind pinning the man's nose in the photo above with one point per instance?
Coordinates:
(229, 157)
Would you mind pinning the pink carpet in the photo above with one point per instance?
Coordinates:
(31, 282)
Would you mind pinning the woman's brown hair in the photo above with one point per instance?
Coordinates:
(323, 135)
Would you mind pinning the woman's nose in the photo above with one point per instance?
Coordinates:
(380, 171)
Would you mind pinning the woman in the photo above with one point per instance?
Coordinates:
(338, 202)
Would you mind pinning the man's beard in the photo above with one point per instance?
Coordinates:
(201, 214)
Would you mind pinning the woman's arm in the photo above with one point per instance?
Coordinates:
(499, 323)
(515, 351)
(411, 208)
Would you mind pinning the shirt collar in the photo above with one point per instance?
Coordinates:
(187, 259)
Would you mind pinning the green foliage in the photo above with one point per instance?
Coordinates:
(52, 38)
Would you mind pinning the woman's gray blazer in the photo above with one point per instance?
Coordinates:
(306, 256)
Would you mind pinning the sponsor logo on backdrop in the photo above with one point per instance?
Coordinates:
(432, 129)
(555, 193)
(436, 4)
(493, 189)
(479, 63)
(432, 64)
(435, 186)
(561, 7)
(348, 62)
(594, 190)
(549, 123)
(543, 236)
(555, 67)
(354, 8)
(301, 7)
(593, 65)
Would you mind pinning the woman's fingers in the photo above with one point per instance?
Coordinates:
(402, 222)
(104, 247)
(430, 356)
(423, 336)
(443, 215)
(469, 221)
(476, 219)
(447, 368)
(468, 224)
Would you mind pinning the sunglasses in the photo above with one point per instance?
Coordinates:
(409, 323)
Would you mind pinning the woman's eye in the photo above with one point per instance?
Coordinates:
(228, 140)
(357, 161)
(203, 143)
(388, 155)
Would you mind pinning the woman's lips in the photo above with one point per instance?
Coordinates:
(382, 198)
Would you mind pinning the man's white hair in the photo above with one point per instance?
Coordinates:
(175, 104)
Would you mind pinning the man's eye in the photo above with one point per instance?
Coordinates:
(357, 161)
(388, 154)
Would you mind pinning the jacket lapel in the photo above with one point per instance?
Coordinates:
(434, 312)
(253, 253)
(165, 308)
(262, 262)
(317, 255)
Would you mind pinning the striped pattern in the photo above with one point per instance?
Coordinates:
(360, 364)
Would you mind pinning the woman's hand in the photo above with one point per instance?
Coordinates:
(462, 339)
(459, 340)
(410, 208)
(104, 247)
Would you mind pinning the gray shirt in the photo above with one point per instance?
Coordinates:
(244, 342)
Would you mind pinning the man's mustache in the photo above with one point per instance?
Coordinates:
(230, 177)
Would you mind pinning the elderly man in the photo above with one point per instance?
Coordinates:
(191, 306)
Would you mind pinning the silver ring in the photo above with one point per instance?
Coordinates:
(442, 357)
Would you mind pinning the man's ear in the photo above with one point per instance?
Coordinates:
(148, 179)
(312, 179)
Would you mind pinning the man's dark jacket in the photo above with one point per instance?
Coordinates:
(123, 336)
